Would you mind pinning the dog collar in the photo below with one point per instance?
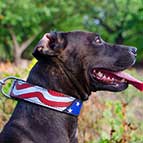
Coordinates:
(45, 97)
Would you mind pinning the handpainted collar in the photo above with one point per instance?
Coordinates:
(45, 97)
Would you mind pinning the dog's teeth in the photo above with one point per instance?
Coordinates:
(108, 78)
(94, 71)
(104, 77)
(117, 85)
(100, 74)
(123, 80)
(112, 78)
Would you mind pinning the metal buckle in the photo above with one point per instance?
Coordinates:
(3, 82)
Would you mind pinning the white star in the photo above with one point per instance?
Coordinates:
(77, 103)
(69, 110)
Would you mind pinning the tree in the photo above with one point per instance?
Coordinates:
(119, 21)
(22, 21)
(19, 21)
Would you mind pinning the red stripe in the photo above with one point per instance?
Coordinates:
(43, 100)
(26, 85)
(22, 86)
(55, 93)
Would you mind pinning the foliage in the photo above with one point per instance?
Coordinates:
(29, 19)
(119, 21)
(23, 20)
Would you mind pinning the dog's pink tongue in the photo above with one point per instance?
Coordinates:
(131, 80)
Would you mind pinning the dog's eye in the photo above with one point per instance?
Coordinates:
(98, 40)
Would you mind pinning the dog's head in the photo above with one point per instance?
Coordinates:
(88, 56)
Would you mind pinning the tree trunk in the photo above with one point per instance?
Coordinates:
(17, 56)
(19, 49)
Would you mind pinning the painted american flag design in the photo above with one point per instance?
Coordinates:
(44, 97)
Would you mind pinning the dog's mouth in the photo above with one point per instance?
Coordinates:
(107, 77)
(113, 81)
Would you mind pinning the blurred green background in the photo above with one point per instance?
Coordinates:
(106, 117)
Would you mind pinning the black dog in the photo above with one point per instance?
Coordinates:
(74, 63)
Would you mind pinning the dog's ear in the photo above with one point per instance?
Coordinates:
(50, 45)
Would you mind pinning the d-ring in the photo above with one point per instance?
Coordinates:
(3, 82)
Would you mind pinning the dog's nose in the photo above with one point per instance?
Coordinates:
(133, 50)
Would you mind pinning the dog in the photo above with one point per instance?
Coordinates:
(74, 63)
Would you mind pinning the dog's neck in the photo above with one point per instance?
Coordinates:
(53, 75)
(49, 75)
